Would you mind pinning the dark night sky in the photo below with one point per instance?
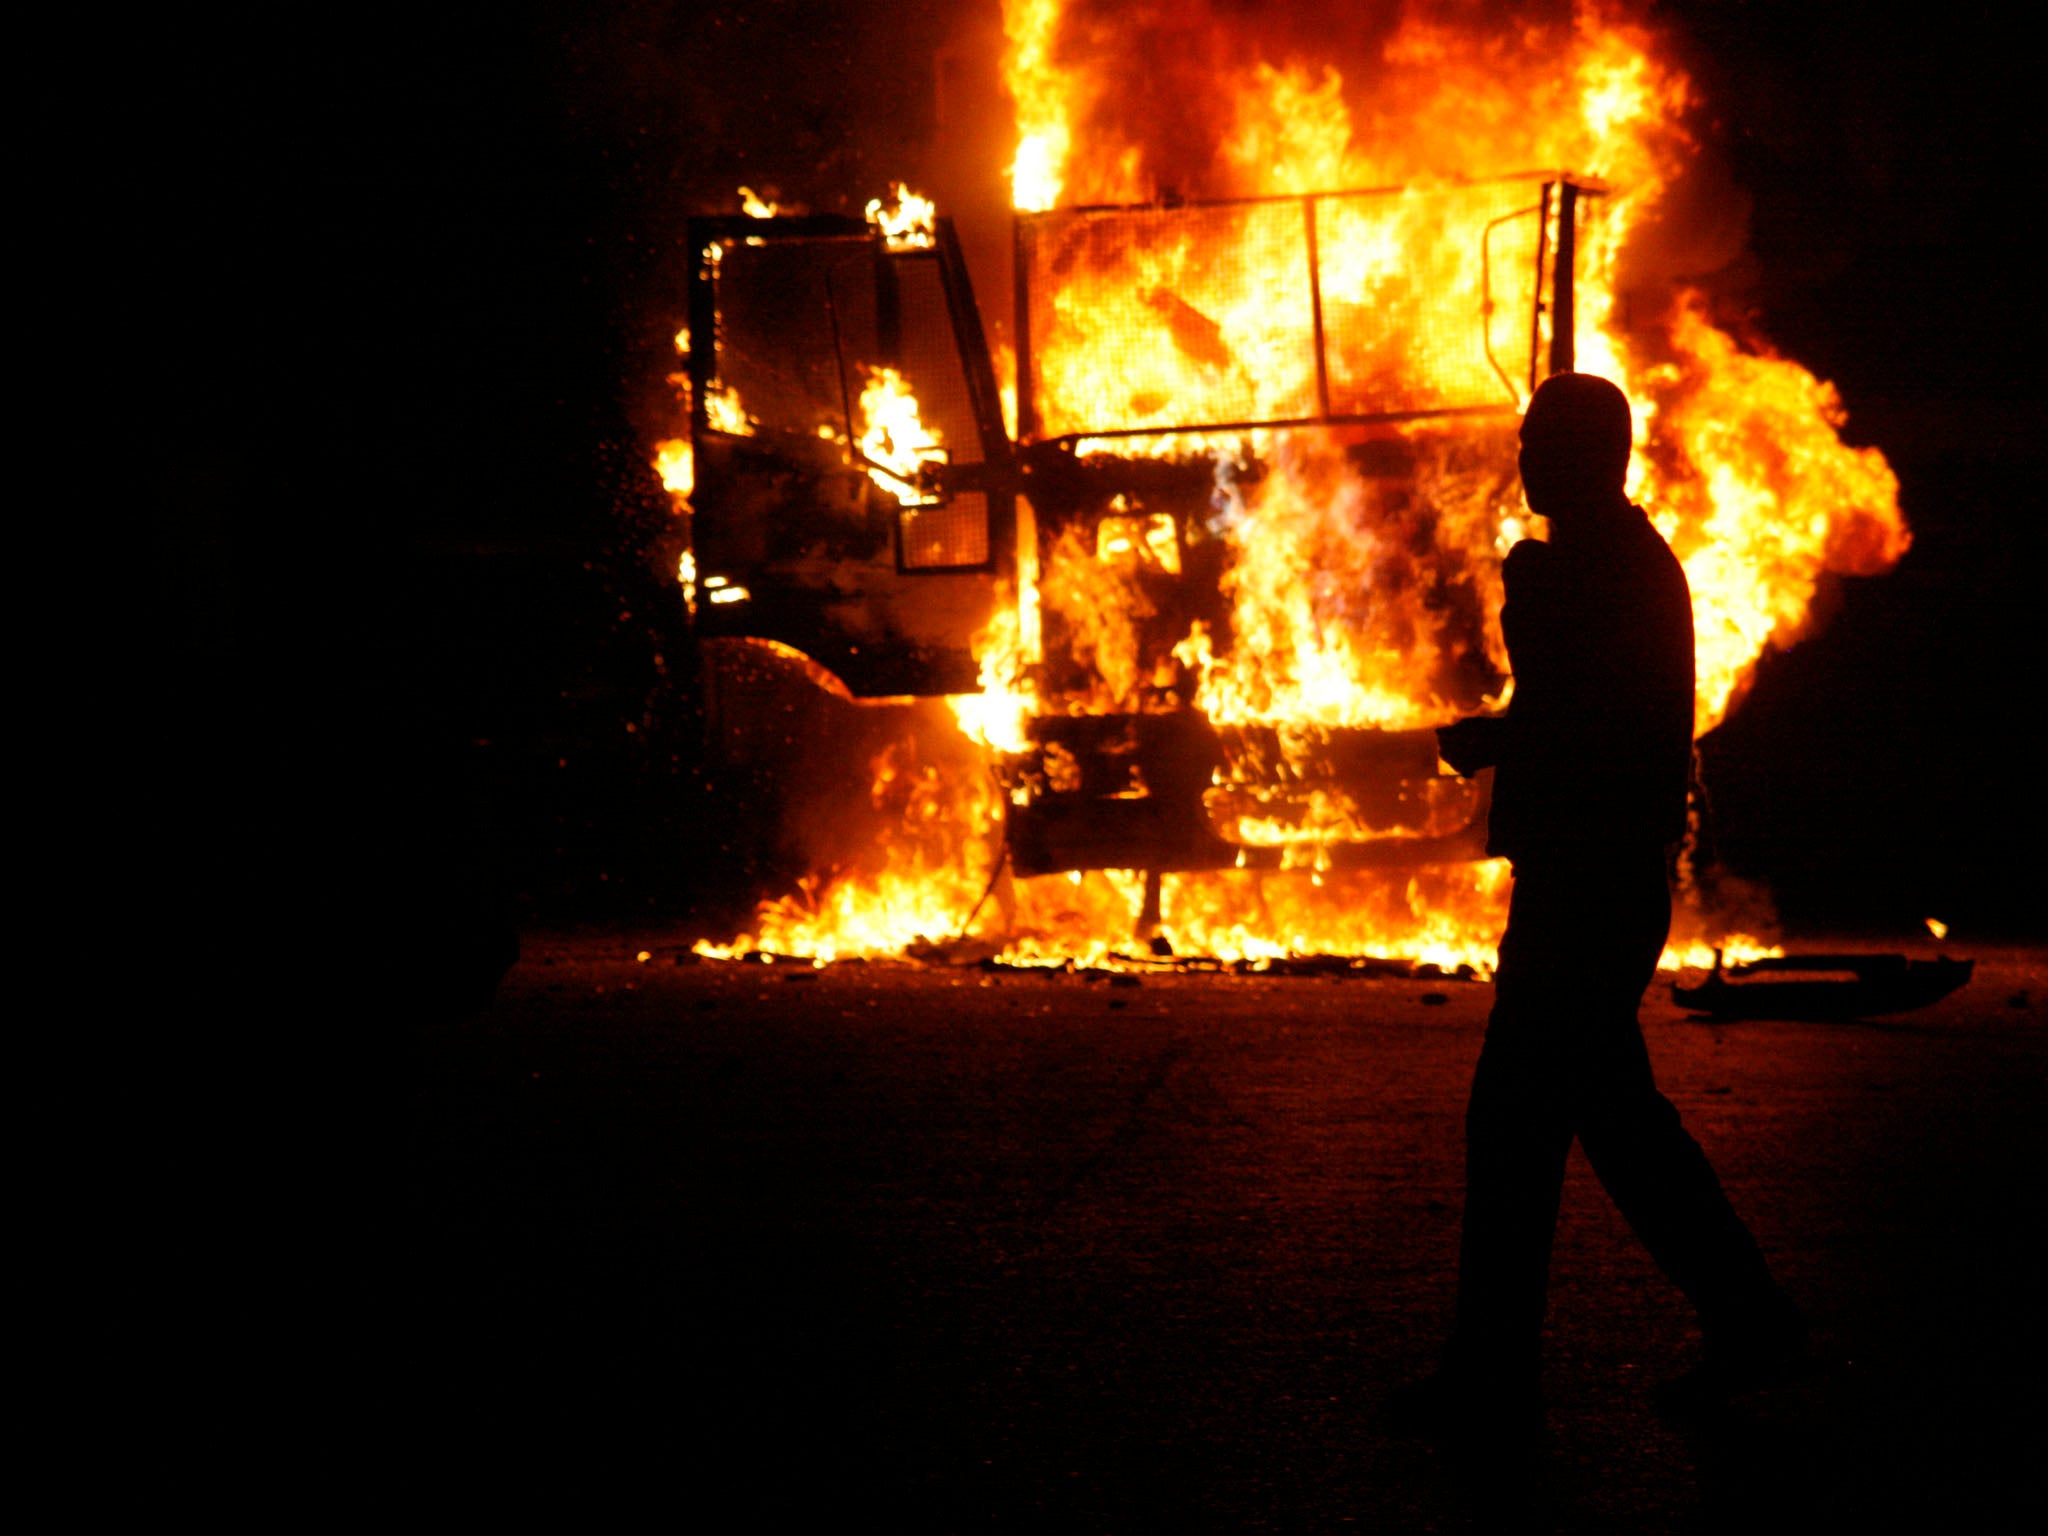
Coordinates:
(425, 266)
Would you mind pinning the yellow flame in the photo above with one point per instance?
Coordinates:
(1758, 494)
(722, 408)
(894, 439)
(1741, 460)
(676, 464)
(1039, 91)
(1699, 954)
(1353, 601)
(998, 717)
(908, 221)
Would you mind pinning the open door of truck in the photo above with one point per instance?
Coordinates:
(852, 496)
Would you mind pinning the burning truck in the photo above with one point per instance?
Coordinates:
(1205, 554)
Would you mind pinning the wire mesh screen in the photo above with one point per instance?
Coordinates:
(1161, 317)
(1428, 296)
(930, 359)
(940, 537)
(1176, 318)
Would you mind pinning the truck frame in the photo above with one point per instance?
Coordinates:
(796, 544)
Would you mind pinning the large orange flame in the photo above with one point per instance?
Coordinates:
(1740, 463)
(1355, 601)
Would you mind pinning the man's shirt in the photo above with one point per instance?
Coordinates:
(1598, 750)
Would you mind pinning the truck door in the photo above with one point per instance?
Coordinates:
(853, 495)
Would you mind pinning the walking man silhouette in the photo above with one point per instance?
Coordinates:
(1592, 763)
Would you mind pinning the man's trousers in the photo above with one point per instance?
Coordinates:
(1564, 1057)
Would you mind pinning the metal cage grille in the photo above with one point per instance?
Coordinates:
(930, 360)
(1351, 305)
(945, 537)
(1156, 317)
(1428, 297)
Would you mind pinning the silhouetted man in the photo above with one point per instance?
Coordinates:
(1592, 762)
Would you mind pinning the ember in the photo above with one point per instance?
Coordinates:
(1227, 547)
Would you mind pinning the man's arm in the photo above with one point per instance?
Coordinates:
(1474, 743)
(1486, 741)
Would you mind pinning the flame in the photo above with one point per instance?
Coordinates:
(1758, 495)
(1741, 461)
(894, 441)
(1041, 92)
(674, 458)
(1325, 588)
(1354, 599)
(723, 408)
(918, 884)
(676, 463)
(1730, 949)
(907, 220)
(998, 716)
(933, 881)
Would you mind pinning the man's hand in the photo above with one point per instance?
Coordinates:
(1472, 744)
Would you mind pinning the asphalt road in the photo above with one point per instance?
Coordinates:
(952, 1250)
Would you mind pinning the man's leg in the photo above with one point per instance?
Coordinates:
(1517, 1135)
(1488, 1391)
(1516, 1141)
(1661, 1181)
(1652, 1169)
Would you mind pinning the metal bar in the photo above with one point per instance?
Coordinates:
(888, 310)
(703, 325)
(1536, 306)
(839, 355)
(1375, 419)
(1148, 914)
(1486, 289)
(1020, 281)
(982, 392)
(1563, 344)
(1315, 300)
(1288, 197)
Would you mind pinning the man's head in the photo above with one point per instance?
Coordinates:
(1575, 444)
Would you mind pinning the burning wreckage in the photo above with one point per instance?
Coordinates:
(1204, 607)
(881, 553)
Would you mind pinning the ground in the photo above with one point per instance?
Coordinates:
(958, 1249)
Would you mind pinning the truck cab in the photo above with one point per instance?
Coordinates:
(860, 501)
